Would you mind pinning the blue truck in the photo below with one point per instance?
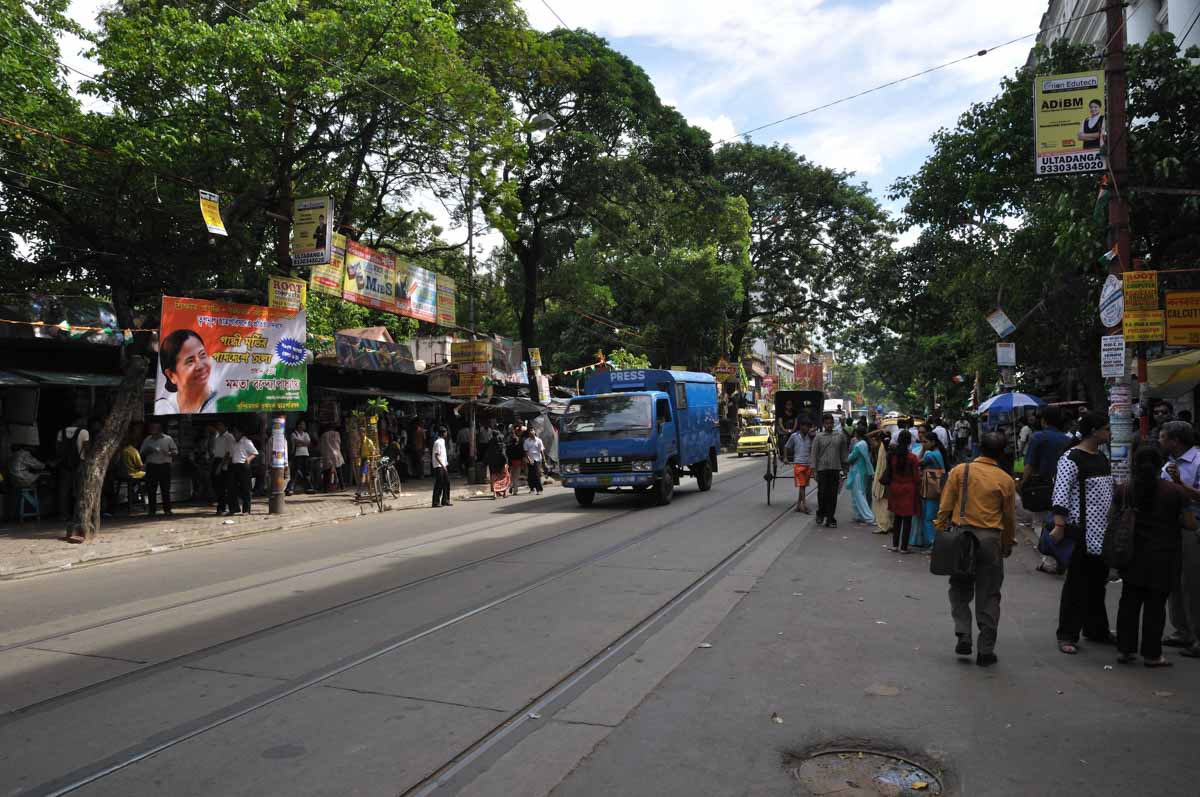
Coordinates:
(642, 430)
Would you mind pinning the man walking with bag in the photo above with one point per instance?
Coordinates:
(980, 499)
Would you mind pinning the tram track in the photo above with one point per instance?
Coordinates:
(183, 732)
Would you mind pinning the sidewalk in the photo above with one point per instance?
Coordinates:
(30, 549)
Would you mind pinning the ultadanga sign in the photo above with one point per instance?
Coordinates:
(221, 357)
(1069, 127)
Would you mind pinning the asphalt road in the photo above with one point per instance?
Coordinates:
(528, 647)
(418, 652)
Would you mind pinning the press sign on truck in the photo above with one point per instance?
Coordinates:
(642, 430)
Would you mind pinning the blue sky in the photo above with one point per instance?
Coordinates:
(730, 66)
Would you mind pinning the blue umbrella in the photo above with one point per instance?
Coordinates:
(1007, 402)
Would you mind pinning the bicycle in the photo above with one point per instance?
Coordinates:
(389, 477)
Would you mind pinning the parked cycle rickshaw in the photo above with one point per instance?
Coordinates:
(790, 407)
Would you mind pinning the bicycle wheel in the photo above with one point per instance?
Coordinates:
(391, 480)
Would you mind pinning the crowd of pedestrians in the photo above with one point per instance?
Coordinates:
(901, 482)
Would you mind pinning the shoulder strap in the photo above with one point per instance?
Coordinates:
(1082, 493)
(962, 504)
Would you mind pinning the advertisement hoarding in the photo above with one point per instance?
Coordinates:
(327, 278)
(446, 311)
(374, 355)
(472, 362)
(370, 278)
(416, 292)
(1069, 126)
(1144, 326)
(1141, 290)
(287, 292)
(1183, 318)
(222, 357)
(312, 230)
(210, 209)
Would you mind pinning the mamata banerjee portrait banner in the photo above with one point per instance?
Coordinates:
(216, 357)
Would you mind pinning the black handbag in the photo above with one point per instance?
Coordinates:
(1118, 536)
(1037, 495)
(954, 549)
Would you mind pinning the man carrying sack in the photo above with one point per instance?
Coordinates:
(979, 502)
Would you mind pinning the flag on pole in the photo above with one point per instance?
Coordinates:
(958, 379)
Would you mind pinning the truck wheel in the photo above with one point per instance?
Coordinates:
(664, 488)
(704, 476)
(585, 497)
(740, 455)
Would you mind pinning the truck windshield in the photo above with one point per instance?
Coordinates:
(607, 414)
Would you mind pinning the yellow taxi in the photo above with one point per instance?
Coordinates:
(755, 440)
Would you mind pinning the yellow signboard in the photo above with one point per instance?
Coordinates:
(312, 230)
(1183, 318)
(472, 361)
(535, 357)
(287, 292)
(327, 278)
(446, 312)
(210, 209)
(1144, 326)
(1140, 289)
(1069, 127)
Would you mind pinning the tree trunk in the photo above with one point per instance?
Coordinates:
(529, 257)
(738, 333)
(100, 451)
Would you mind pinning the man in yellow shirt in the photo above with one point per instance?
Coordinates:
(988, 512)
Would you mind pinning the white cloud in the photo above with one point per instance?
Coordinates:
(720, 128)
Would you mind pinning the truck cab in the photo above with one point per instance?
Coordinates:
(642, 430)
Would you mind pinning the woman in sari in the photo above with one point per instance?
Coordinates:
(904, 476)
(859, 478)
(497, 461)
(933, 466)
(879, 502)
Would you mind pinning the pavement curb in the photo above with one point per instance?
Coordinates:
(221, 534)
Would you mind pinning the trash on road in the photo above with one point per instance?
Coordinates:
(704, 645)
(882, 690)
(534, 716)
(1163, 693)
(775, 718)
(228, 522)
(881, 622)
(1108, 666)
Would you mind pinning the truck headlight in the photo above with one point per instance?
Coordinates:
(570, 467)
(642, 465)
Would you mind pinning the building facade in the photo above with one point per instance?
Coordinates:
(1083, 21)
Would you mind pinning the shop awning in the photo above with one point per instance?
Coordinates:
(9, 379)
(1174, 369)
(393, 395)
(71, 379)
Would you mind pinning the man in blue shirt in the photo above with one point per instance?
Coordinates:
(1046, 447)
(1178, 440)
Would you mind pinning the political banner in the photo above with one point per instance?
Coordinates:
(374, 355)
(287, 292)
(1070, 133)
(416, 292)
(370, 278)
(312, 230)
(446, 310)
(327, 278)
(508, 361)
(219, 357)
(210, 209)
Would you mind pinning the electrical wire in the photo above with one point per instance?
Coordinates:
(556, 16)
(898, 81)
(47, 56)
(1183, 38)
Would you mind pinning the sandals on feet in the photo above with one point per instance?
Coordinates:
(1070, 648)
(1158, 663)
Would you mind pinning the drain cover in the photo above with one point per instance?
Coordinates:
(864, 773)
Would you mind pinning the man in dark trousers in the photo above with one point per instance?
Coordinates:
(989, 511)
(829, 451)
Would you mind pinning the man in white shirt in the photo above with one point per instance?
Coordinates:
(158, 452)
(1177, 439)
(441, 469)
(943, 434)
(241, 455)
(219, 446)
(535, 451)
(962, 437)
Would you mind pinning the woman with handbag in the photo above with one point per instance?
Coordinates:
(1146, 581)
(1083, 493)
(933, 476)
(879, 504)
(904, 476)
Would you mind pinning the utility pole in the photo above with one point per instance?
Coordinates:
(1117, 152)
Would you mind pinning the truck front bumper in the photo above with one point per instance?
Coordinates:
(603, 481)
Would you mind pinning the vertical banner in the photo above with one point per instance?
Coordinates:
(417, 293)
(446, 310)
(472, 361)
(1070, 133)
(312, 230)
(370, 278)
(210, 209)
(287, 293)
(221, 357)
(328, 277)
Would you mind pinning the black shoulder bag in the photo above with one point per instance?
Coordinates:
(954, 548)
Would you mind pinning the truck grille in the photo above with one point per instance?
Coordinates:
(606, 467)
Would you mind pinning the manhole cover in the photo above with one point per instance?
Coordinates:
(864, 773)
